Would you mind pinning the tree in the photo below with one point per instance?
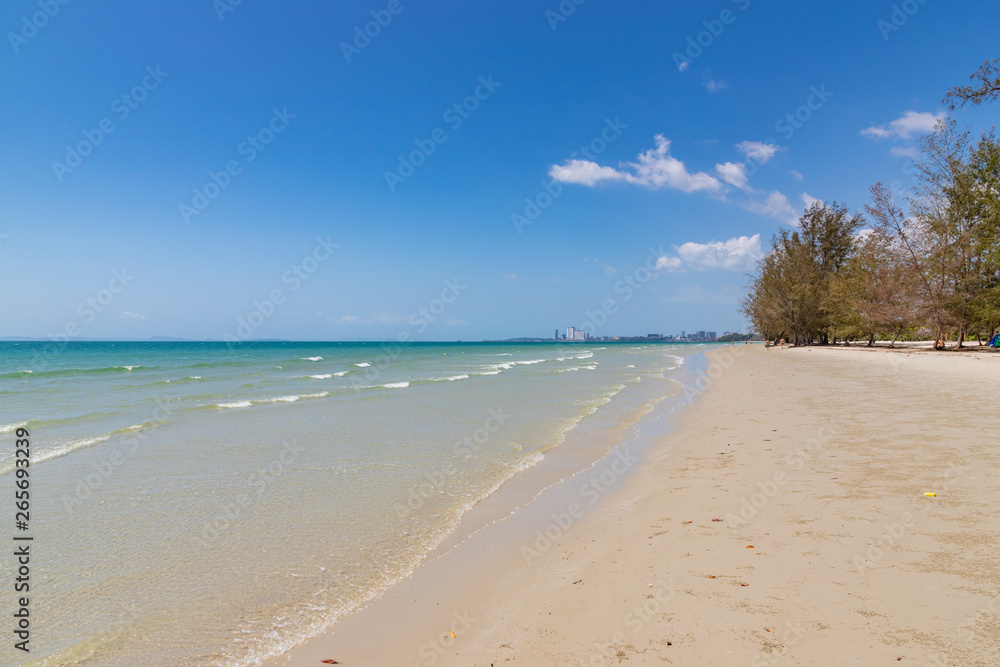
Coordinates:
(984, 208)
(986, 87)
(791, 290)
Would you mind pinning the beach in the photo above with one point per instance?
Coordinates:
(221, 504)
(785, 520)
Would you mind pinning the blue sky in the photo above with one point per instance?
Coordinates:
(694, 165)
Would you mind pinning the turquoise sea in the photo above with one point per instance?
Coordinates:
(205, 503)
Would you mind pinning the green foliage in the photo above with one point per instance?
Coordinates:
(935, 270)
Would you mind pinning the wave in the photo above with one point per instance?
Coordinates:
(74, 445)
(495, 369)
(341, 374)
(326, 376)
(592, 367)
(76, 371)
(395, 385)
(310, 358)
(262, 401)
(363, 364)
(190, 378)
(236, 404)
(7, 428)
(452, 378)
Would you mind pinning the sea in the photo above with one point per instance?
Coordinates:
(214, 503)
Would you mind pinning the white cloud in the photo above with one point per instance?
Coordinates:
(809, 200)
(669, 264)
(608, 269)
(862, 234)
(776, 205)
(904, 127)
(584, 172)
(346, 319)
(714, 86)
(683, 66)
(733, 173)
(796, 175)
(509, 276)
(657, 168)
(903, 152)
(757, 151)
(132, 316)
(388, 318)
(654, 168)
(736, 254)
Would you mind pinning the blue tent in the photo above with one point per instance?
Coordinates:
(995, 341)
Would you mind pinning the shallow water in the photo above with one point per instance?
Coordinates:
(201, 503)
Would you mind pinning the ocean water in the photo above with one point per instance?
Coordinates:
(199, 503)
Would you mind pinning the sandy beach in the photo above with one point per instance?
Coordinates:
(785, 521)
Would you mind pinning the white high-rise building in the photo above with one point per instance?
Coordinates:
(570, 333)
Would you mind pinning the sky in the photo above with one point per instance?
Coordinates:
(363, 170)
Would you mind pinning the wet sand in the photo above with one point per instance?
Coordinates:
(783, 522)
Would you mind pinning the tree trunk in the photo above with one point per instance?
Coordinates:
(961, 337)
(895, 337)
(871, 340)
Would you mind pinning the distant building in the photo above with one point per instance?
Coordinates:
(580, 335)
(557, 334)
(710, 335)
(570, 333)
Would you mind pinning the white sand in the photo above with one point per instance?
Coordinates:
(828, 552)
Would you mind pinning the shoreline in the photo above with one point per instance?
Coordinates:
(461, 558)
(825, 545)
